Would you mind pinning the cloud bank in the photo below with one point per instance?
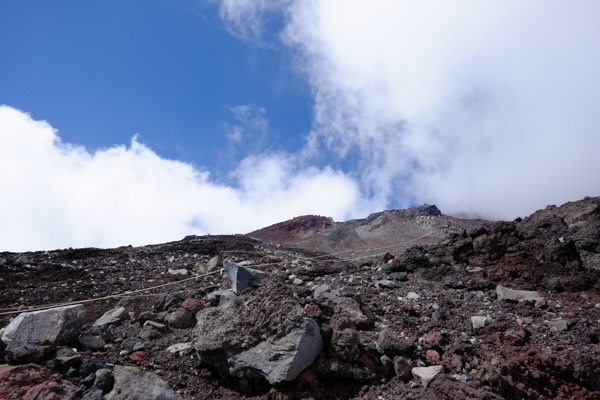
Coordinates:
(57, 195)
(481, 107)
(488, 108)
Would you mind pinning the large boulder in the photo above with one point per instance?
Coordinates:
(242, 277)
(267, 335)
(133, 384)
(60, 326)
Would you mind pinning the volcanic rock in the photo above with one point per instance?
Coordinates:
(426, 374)
(133, 384)
(60, 325)
(507, 294)
(111, 317)
(241, 277)
(92, 342)
(390, 344)
(269, 334)
(403, 367)
(181, 318)
(345, 338)
(480, 322)
(33, 382)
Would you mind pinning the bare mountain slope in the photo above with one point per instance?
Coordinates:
(390, 230)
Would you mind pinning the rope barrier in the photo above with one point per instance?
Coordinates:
(130, 293)
(126, 294)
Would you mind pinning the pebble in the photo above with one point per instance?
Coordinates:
(560, 325)
(178, 271)
(598, 305)
(385, 284)
(480, 322)
(138, 356)
(413, 296)
(352, 280)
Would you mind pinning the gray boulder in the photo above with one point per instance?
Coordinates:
(213, 263)
(337, 304)
(111, 317)
(269, 335)
(180, 318)
(60, 326)
(133, 384)
(227, 298)
(242, 277)
(320, 289)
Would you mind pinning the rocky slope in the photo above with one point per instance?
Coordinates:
(505, 310)
(391, 230)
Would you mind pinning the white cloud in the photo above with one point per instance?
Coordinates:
(488, 107)
(245, 19)
(56, 195)
(252, 116)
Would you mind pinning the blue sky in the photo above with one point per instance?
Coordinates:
(167, 70)
(140, 122)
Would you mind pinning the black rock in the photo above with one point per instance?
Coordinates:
(30, 354)
(89, 365)
(400, 276)
(552, 284)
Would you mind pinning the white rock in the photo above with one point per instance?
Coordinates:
(178, 271)
(505, 293)
(298, 281)
(426, 374)
(481, 322)
(180, 348)
(413, 296)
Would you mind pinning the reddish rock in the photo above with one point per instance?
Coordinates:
(307, 375)
(433, 356)
(456, 361)
(515, 337)
(195, 305)
(138, 356)
(31, 381)
(435, 336)
(313, 310)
